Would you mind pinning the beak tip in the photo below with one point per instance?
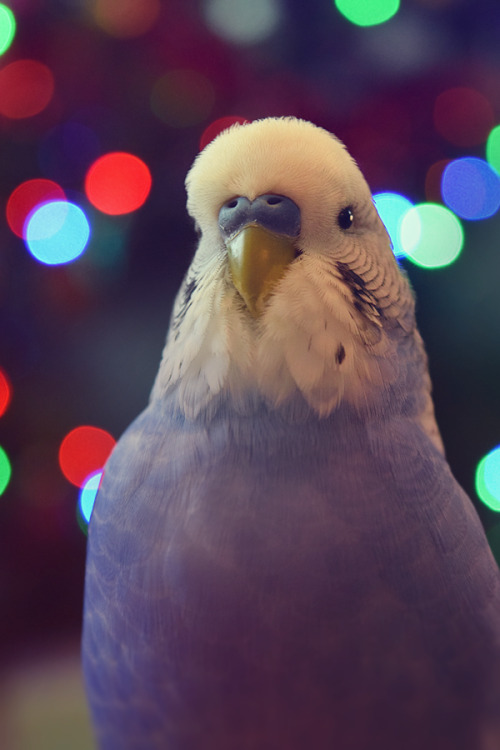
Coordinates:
(258, 259)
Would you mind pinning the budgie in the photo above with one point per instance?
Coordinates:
(279, 557)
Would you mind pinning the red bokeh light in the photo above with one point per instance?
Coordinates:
(118, 183)
(5, 392)
(433, 181)
(84, 451)
(26, 197)
(217, 126)
(26, 87)
(128, 18)
(463, 116)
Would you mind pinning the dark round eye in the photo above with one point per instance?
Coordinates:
(345, 218)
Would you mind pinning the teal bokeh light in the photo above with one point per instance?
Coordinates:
(88, 494)
(392, 207)
(57, 232)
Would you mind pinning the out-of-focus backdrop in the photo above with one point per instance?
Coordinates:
(103, 106)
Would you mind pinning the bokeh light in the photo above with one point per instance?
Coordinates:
(182, 98)
(409, 45)
(88, 494)
(471, 188)
(217, 126)
(65, 151)
(57, 232)
(493, 148)
(431, 235)
(5, 471)
(392, 208)
(367, 12)
(83, 452)
(127, 18)
(433, 180)
(7, 28)
(243, 22)
(5, 392)
(118, 183)
(26, 88)
(26, 197)
(488, 479)
(463, 116)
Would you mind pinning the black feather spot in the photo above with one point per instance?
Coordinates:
(187, 295)
(363, 300)
(352, 279)
(340, 354)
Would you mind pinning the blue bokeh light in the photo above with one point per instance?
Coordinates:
(471, 188)
(88, 494)
(57, 232)
(392, 208)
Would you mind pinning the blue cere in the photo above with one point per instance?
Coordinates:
(88, 494)
(57, 232)
(471, 188)
(391, 208)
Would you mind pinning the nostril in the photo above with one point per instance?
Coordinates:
(232, 204)
(273, 200)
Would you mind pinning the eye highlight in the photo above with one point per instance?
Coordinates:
(345, 218)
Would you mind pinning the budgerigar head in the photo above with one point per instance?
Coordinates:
(294, 293)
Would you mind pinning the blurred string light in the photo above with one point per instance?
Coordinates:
(107, 250)
(118, 183)
(26, 197)
(243, 22)
(26, 88)
(392, 208)
(182, 98)
(431, 235)
(57, 232)
(471, 188)
(5, 471)
(126, 18)
(83, 452)
(7, 28)
(217, 126)
(463, 116)
(433, 180)
(38, 481)
(488, 479)
(493, 148)
(88, 494)
(367, 12)
(5, 392)
(408, 45)
(65, 151)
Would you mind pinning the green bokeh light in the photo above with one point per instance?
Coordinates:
(493, 148)
(367, 12)
(488, 479)
(431, 235)
(7, 28)
(5, 470)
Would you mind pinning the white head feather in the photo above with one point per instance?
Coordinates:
(326, 331)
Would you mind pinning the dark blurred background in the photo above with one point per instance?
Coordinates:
(80, 342)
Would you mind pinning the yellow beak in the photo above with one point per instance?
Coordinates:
(258, 259)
